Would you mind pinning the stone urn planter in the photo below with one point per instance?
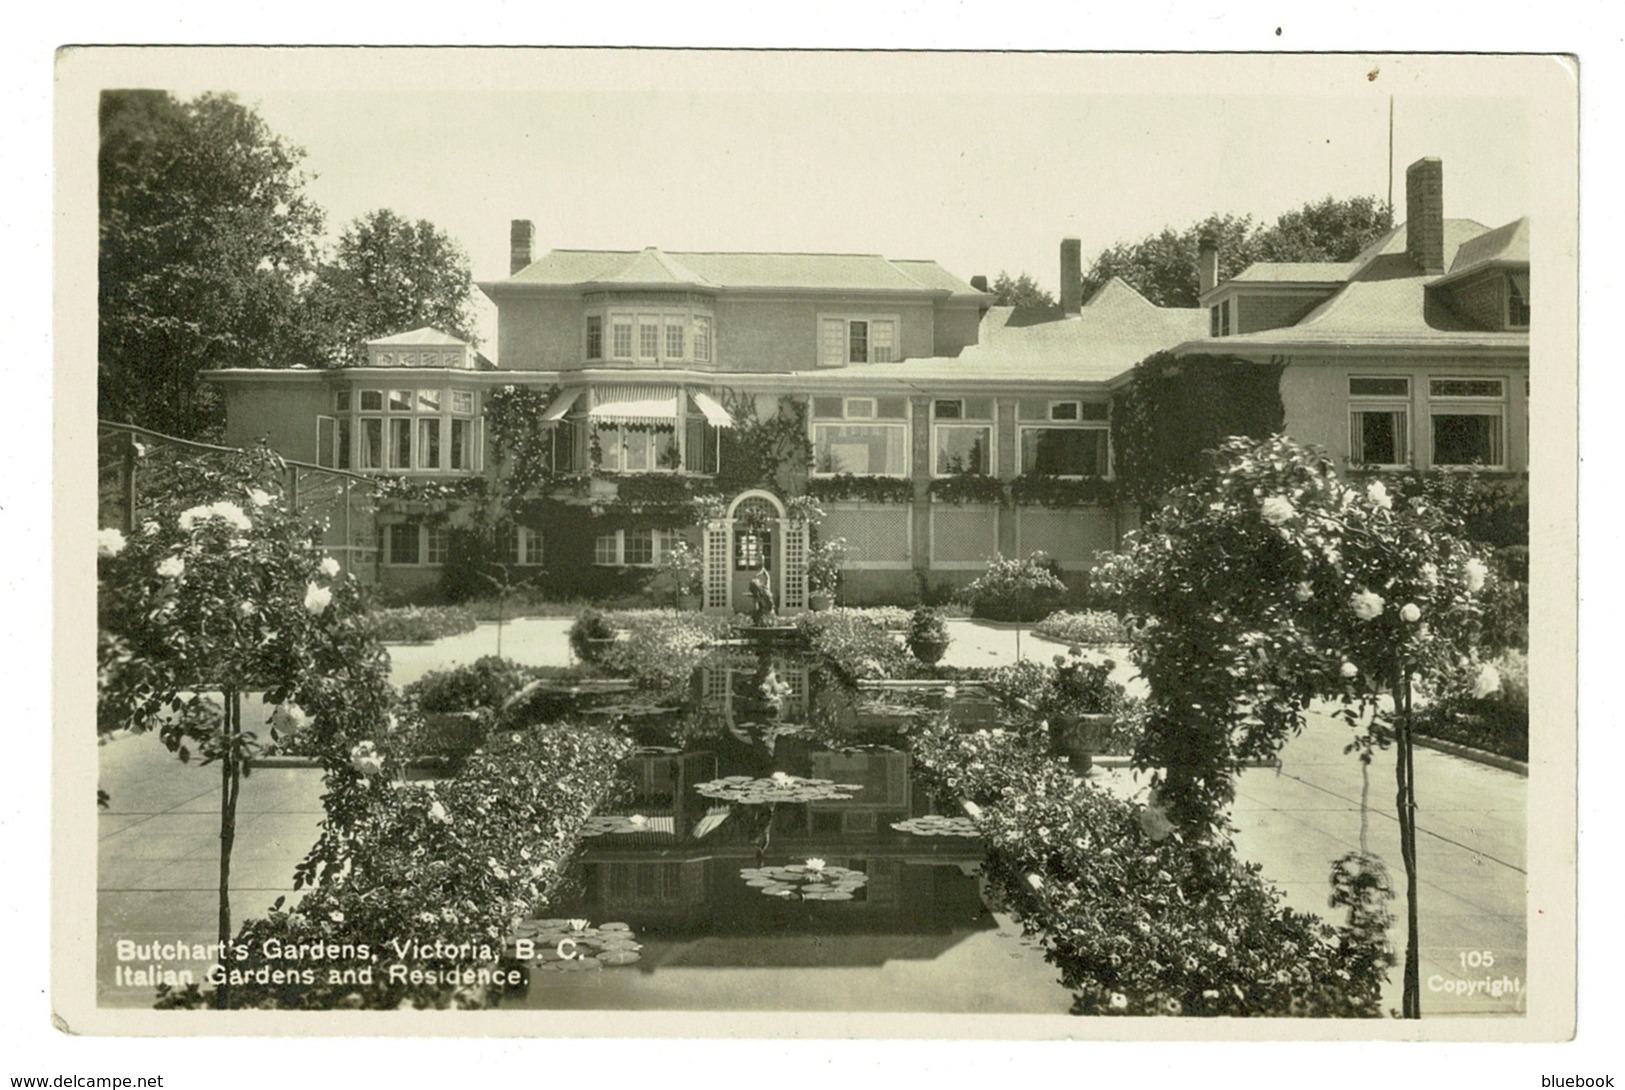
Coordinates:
(928, 651)
(1077, 738)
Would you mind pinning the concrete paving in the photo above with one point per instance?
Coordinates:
(158, 848)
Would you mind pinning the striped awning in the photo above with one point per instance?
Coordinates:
(630, 404)
(715, 414)
(561, 405)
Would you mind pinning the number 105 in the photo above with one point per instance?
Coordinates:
(1477, 959)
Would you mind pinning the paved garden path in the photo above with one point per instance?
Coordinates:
(159, 839)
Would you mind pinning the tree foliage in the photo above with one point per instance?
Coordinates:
(389, 275)
(1162, 267)
(205, 239)
(1023, 291)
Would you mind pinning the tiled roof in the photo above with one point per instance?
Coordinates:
(1117, 328)
(833, 272)
(1288, 272)
(424, 336)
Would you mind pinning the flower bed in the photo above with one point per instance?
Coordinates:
(857, 646)
(1092, 626)
(1016, 589)
(1496, 722)
(452, 863)
(1140, 922)
(421, 624)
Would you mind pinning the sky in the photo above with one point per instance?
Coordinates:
(982, 162)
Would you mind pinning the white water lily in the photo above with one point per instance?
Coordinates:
(579, 925)
(1367, 605)
(815, 864)
(317, 599)
(171, 567)
(637, 821)
(109, 542)
(781, 778)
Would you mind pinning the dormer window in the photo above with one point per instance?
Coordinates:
(647, 335)
(1518, 301)
(1218, 319)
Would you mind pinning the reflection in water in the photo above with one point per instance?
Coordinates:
(866, 861)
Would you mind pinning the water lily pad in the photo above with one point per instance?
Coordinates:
(616, 926)
(620, 957)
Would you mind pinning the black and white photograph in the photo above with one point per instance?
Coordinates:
(987, 544)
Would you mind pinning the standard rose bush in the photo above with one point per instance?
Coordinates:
(1016, 589)
(1139, 921)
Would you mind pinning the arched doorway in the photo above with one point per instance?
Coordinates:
(755, 531)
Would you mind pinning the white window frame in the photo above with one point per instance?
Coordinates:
(662, 541)
(1383, 403)
(697, 330)
(430, 532)
(988, 426)
(391, 533)
(846, 320)
(613, 436)
(700, 335)
(1066, 425)
(586, 334)
(521, 544)
(1468, 405)
(1511, 290)
(440, 402)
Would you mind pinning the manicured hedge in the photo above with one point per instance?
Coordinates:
(421, 624)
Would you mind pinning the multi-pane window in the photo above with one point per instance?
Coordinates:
(402, 544)
(632, 548)
(525, 547)
(406, 430)
(1075, 443)
(437, 543)
(595, 336)
(1379, 421)
(676, 338)
(648, 337)
(702, 340)
(621, 334)
(843, 340)
(877, 446)
(1467, 421)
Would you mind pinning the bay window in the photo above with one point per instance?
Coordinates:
(405, 430)
(647, 335)
(636, 449)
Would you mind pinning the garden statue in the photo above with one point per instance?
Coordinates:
(762, 611)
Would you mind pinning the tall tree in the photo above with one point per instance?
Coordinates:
(1023, 291)
(205, 239)
(389, 275)
(1162, 267)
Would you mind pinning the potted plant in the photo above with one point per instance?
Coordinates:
(591, 635)
(682, 566)
(1079, 703)
(927, 635)
(824, 562)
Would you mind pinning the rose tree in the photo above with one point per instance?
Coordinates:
(219, 590)
(1269, 582)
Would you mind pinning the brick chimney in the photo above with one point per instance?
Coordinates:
(521, 245)
(1424, 214)
(1207, 263)
(1071, 276)
(979, 283)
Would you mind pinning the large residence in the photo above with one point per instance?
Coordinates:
(938, 424)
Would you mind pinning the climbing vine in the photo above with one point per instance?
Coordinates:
(764, 453)
(853, 486)
(1042, 490)
(962, 488)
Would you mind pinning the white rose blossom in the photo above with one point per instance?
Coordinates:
(1035, 881)
(109, 542)
(258, 497)
(1377, 493)
(437, 813)
(317, 599)
(1349, 670)
(1487, 683)
(365, 759)
(171, 567)
(1303, 592)
(329, 566)
(1477, 572)
(1367, 605)
(1278, 509)
(1410, 613)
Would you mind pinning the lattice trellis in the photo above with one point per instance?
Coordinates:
(793, 569)
(718, 564)
(963, 536)
(874, 535)
(1068, 536)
